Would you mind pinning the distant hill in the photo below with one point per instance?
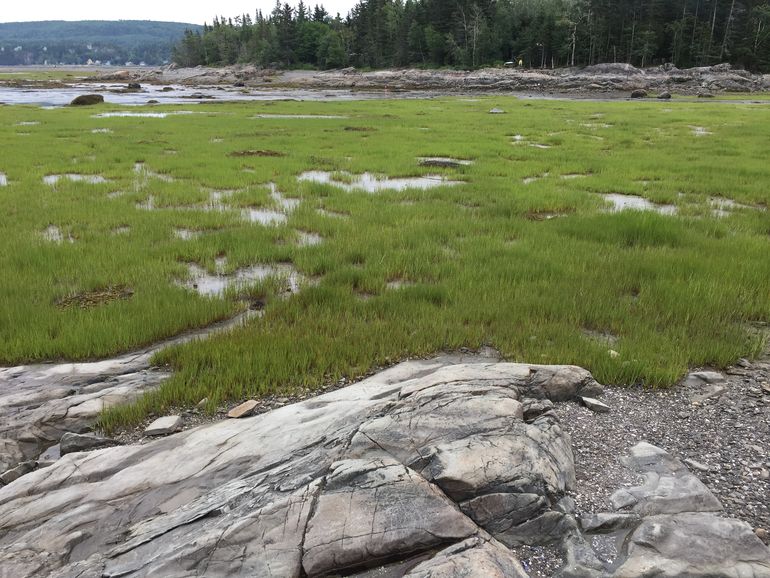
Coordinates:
(103, 41)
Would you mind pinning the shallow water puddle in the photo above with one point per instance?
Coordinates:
(286, 203)
(603, 337)
(529, 180)
(91, 179)
(636, 203)
(147, 205)
(140, 114)
(332, 214)
(700, 131)
(27, 123)
(142, 170)
(572, 176)
(306, 239)
(3, 180)
(447, 162)
(397, 284)
(540, 146)
(186, 234)
(301, 116)
(53, 234)
(101, 131)
(208, 285)
(122, 230)
(372, 184)
(721, 207)
(264, 216)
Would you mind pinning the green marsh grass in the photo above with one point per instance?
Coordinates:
(532, 269)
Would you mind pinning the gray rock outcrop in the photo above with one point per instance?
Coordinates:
(671, 526)
(424, 468)
(600, 78)
(40, 403)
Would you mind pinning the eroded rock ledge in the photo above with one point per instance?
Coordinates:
(423, 470)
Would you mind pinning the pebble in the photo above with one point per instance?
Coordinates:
(723, 436)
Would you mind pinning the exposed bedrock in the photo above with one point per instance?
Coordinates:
(40, 403)
(425, 465)
(428, 469)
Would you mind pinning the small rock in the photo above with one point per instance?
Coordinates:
(708, 393)
(613, 354)
(566, 505)
(607, 522)
(762, 534)
(164, 426)
(595, 405)
(244, 410)
(134, 86)
(72, 442)
(692, 464)
(203, 402)
(87, 100)
(22, 469)
(497, 111)
(704, 377)
(664, 96)
(639, 93)
(744, 363)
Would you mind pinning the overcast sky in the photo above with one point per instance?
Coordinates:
(168, 10)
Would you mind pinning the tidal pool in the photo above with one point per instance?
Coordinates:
(372, 183)
(305, 239)
(636, 203)
(54, 234)
(208, 285)
(264, 216)
(91, 179)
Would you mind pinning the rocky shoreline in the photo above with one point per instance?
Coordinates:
(598, 80)
(438, 467)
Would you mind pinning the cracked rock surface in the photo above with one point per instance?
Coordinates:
(430, 469)
(425, 468)
(40, 403)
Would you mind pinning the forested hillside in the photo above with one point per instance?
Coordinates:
(473, 33)
(117, 42)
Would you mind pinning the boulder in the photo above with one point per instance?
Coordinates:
(639, 93)
(664, 96)
(87, 100)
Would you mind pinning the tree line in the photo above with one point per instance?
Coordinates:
(475, 33)
(59, 42)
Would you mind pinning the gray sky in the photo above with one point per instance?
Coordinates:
(168, 10)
